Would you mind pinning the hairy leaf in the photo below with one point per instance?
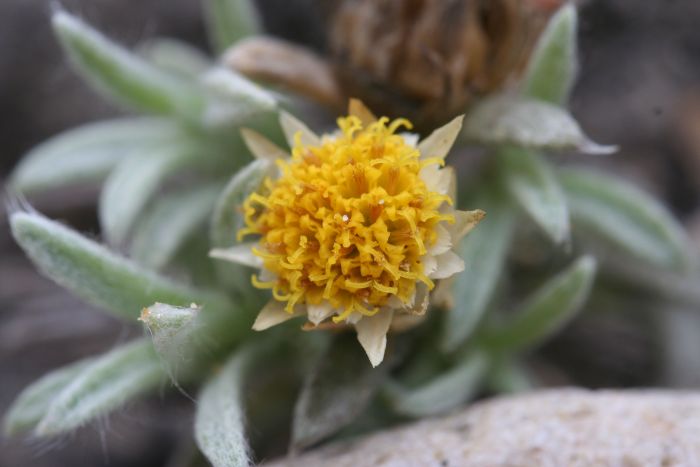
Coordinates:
(548, 310)
(33, 402)
(443, 393)
(88, 153)
(136, 179)
(533, 185)
(95, 274)
(170, 222)
(123, 76)
(616, 213)
(229, 21)
(219, 426)
(484, 252)
(552, 68)
(336, 392)
(510, 120)
(175, 57)
(106, 383)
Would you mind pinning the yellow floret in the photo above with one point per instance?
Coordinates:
(347, 221)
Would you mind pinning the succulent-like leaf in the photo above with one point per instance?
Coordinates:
(443, 393)
(616, 213)
(233, 99)
(88, 153)
(32, 403)
(95, 274)
(548, 310)
(219, 426)
(170, 222)
(175, 57)
(510, 376)
(533, 185)
(106, 383)
(528, 123)
(123, 76)
(552, 68)
(229, 21)
(136, 179)
(484, 252)
(336, 392)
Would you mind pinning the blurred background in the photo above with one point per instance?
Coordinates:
(639, 88)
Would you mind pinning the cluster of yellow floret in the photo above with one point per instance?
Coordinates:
(347, 221)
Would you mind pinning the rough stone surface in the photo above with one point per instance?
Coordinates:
(568, 427)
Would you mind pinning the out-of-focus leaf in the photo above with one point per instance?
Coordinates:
(94, 273)
(552, 68)
(219, 426)
(443, 393)
(548, 310)
(484, 252)
(106, 383)
(123, 76)
(227, 218)
(88, 153)
(32, 403)
(336, 392)
(175, 57)
(136, 179)
(534, 186)
(511, 120)
(510, 377)
(229, 21)
(170, 222)
(613, 211)
(234, 100)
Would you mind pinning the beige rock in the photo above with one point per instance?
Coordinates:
(557, 428)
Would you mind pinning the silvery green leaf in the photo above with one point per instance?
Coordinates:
(229, 21)
(548, 310)
(106, 383)
(447, 391)
(509, 376)
(94, 273)
(613, 211)
(122, 75)
(135, 180)
(88, 153)
(552, 68)
(219, 426)
(174, 331)
(175, 57)
(227, 218)
(32, 403)
(511, 120)
(534, 187)
(233, 99)
(336, 392)
(484, 252)
(172, 219)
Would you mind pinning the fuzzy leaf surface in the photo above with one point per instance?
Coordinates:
(106, 383)
(552, 68)
(528, 123)
(548, 310)
(94, 273)
(338, 389)
(533, 185)
(88, 153)
(122, 75)
(614, 212)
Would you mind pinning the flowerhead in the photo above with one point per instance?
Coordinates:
(355, 228)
